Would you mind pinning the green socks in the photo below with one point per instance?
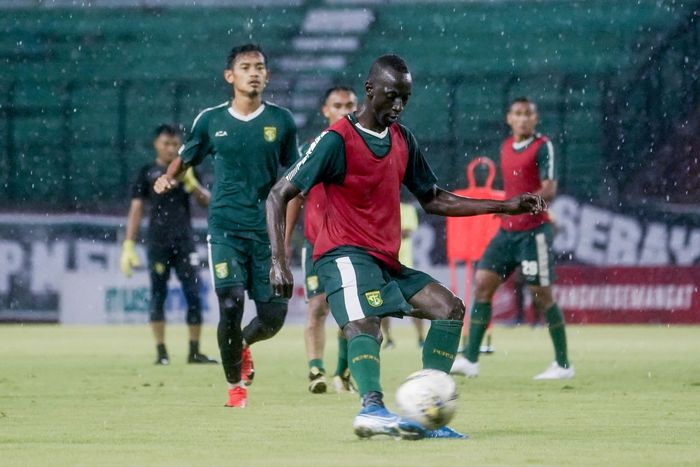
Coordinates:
(342, 355)
(318, 363)
(441, 344)
(363, 357)
(557, 332)
(479, 319)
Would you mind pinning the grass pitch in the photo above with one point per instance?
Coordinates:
(91, 396)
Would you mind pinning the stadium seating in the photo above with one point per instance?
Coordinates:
(485, 45)
(144, 50)
(137, 67)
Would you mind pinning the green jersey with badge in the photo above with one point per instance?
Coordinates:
(248, 152)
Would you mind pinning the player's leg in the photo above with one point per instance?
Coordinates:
(159, 267)
(228, 278)
(186, 265)
(543, 301)
(315, 339)
(431, 300)
(437, 303)
(485, 282)
(342, 380)
(359, 295)
(271, 311)
(268, 322)
(538, 270)
(386, 332)
(495, 265)
(315, 330)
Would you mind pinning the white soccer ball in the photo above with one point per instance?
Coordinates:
(428, 397)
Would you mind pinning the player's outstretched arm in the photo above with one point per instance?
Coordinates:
(444, 203)
(168, 180)
(281, 194)
(129, 258)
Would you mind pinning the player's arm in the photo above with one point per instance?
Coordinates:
(133, 220)
(290, 154)
(276, 209)
(193, 152)
(421, 181)
(325, 161)
(129, 258)
(444, 203)
(293, 209)
(547, 170)
(168, 180)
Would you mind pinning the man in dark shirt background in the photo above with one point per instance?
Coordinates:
(169, 240)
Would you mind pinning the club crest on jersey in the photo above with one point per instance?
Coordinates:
(374, 298)
(159, 268)
(221, 270)
(270, 133)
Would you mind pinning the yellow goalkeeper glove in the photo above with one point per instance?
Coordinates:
(129, 257)
(189, 181)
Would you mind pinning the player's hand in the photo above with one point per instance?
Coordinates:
(281, 279)
(189, 181)
(164, 183)
(526, 203)
(129, 258)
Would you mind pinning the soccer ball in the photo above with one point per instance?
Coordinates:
(428, 397)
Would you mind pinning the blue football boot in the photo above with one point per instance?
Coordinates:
(377, 420)
(445, 432)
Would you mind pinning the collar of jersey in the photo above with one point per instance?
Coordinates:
(381, 135)
(246, 118)
(523, 144)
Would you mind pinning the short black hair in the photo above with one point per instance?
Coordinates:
(244, 49)
(391, 61)
(339, 88)
(167, 129)
(521, 100)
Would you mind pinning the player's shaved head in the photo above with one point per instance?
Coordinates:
(387, 89)
(390, 62)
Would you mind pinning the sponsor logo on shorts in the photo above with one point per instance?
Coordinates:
(374, 298)
(312, 283)
(270, 133)
(221, 270)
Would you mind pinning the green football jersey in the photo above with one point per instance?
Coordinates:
(248, 152)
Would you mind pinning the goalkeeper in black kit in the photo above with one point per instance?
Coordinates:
(170, 242)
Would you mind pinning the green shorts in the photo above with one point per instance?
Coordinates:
(238, 261)
(357, 285)
(312, 285)
(529, 249)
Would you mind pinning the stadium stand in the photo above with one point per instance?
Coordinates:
(90, 83)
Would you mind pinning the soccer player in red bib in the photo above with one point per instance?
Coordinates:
(338, 102)
(527, 165)
(362, 161)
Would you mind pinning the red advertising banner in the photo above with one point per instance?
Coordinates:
(618, 295)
